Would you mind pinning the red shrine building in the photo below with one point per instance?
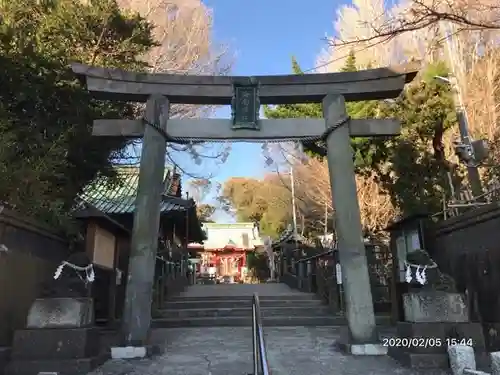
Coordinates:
(224, 252)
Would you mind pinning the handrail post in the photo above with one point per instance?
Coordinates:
(260, 364)
(254, 340)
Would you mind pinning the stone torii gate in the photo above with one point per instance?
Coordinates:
(246, 94)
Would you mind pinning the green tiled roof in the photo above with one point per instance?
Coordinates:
(288, 235)
(120, 198)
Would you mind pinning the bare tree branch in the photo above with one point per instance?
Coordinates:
(416, 15)
(183, 31)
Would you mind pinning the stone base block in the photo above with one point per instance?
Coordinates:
(60, 367)
(434, 306)
(461, 357)
(61, 313)
(134, 352)
(438, 333)
(55, 344)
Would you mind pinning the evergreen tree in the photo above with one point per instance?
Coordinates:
(47, 152)
(350, 63)
(367, 151)
(411, 167)
(415, 174)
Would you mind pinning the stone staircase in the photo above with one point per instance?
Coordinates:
(300, 309)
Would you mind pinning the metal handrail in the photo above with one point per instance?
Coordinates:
(260, 364)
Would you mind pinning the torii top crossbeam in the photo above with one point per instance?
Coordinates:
(372, 84)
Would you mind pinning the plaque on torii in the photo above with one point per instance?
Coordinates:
(245, 105)
(246, 94)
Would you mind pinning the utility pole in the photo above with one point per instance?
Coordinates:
(472, 170)
(326, 219)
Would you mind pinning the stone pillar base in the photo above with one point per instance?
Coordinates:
(362, 349)
(134, 352)
(346, 345)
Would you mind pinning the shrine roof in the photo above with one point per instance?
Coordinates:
(243, 236)
(288, 235)
(119, 198)
(245, 225)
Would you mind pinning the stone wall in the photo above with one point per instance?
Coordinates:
(29, 255)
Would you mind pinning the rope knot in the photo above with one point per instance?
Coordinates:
(329, 130)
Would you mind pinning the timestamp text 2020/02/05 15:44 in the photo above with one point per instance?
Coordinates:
(424, 342)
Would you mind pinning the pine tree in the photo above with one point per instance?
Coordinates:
(350, 63)
(296, 67)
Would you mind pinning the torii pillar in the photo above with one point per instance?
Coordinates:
(352, 253)
(144, 246)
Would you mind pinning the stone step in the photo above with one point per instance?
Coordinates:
(246, 321)
(237, 303)
(267, 321)
(244, 311)
(288, 297)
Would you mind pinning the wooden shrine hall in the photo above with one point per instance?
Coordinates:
(107, 212)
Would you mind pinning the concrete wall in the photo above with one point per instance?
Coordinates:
(29, 255)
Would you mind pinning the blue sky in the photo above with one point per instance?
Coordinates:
(264, 35)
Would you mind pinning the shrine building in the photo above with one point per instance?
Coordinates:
(226, 248)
